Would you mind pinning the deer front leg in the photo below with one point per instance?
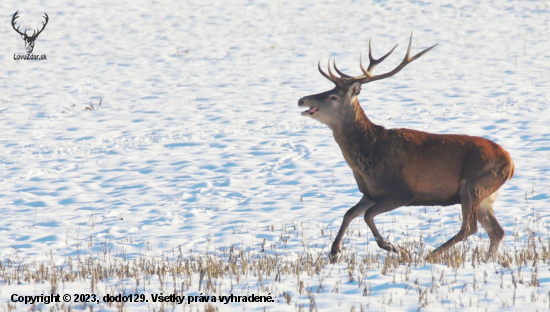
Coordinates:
(354, 212)
(378, 208)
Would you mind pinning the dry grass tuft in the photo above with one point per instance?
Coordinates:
(211, 272)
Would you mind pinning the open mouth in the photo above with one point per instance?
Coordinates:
(310, 111)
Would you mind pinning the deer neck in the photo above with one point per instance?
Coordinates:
(357, 137)
(354, 128)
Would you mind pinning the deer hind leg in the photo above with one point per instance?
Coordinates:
(378, 208)
(489, 222)
(470, 198)
(354, 212)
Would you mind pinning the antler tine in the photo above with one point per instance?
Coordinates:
(361, 64)
(334, 80)
(43, 24)
(419, 54)
(14, 17)
(13, 22)
(330, 71)
(372, 61)
(406, 60)
(338, 71)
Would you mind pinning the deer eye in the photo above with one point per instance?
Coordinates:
(333, 98)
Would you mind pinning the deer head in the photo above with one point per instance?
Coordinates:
(336, 106)
(29, 40)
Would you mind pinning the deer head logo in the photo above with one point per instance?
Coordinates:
(29, 40)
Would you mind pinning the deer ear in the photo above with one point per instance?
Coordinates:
(355, 89)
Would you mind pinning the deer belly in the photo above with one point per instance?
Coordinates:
(430, 190)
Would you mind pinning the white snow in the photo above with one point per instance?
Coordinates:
(199, 144)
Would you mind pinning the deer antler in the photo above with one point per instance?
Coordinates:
(43, 26)
(334, 79)
(34, 33)
(13, 23)
(372, 61)
(408, 59)
(339, 72)
(368, 77)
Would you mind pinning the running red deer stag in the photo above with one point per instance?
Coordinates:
(404, 167)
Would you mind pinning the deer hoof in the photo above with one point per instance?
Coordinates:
(384, 244)
(333, 257)
(493, 250)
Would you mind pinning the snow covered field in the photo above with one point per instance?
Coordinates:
(198, 151)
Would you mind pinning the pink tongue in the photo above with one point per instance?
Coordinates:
(312, 109)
